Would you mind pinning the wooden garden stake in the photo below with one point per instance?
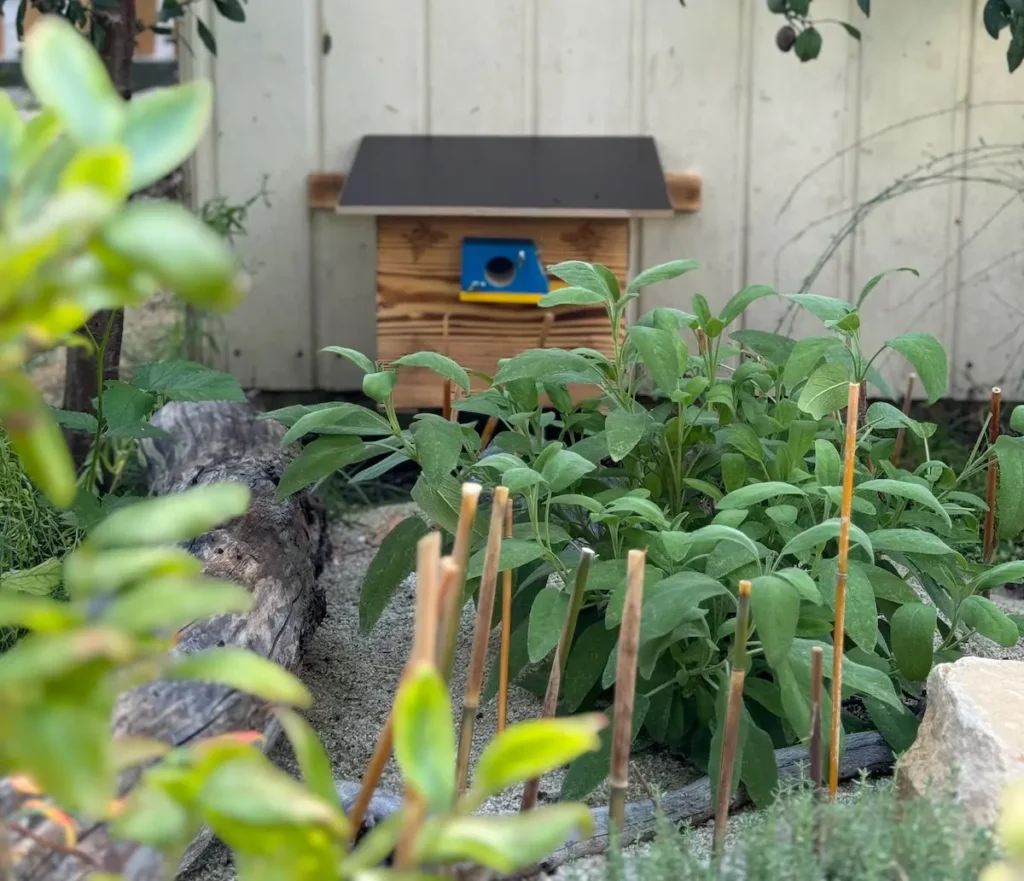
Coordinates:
(908, 397)
(993, 471)
(572, 615)
(446, 400)
(488, 433)
(424, 651)
(815, 742)
(506, 632)
(625, 687)
(730, 735)
(849, 462)
(452, 613)
(428, 603)
(481, 633)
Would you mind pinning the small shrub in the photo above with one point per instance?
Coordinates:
(726, 474)
(870, 836)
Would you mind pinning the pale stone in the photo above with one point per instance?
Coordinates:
(974, 724)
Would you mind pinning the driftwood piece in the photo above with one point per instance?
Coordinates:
(277, 550)
(865, 753)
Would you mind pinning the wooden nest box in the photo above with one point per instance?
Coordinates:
(467, 225)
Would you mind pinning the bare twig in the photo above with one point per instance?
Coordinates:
(481, 633)
(993, 471)
(730, 734)
(572, 615)
(849, 463)
(908, 397)
(814, 746)
(625, 687)
(506, 632)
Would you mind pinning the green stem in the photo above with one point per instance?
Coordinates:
(101, 352)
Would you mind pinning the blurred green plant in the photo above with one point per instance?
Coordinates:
(71, 245)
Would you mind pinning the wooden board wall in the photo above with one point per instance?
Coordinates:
(785, 151)
(419, 262)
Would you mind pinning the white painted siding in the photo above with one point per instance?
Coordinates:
(301, 83)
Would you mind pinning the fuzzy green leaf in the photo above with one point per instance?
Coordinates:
(624, 430)
(515, 552)
(439, 364)
(807, 353)
(660, 273)
(187, 381)
(318, 460)
(554, 365)
(658, 351)
(394, 562)
(438, 445)
(928, 358)
(906, 490)
(756, 493)
(564, 468)
(873, 283)
(587, 660)
(826, 390)
(822, 532)
(985, 617)
(912, 637)
(861, 620)
(740, 300)
(357, 358)
(775, 607)
(909, 541)
(1009, 452)
(573, 296)
(773, 347)
(857, 678)
(547, 618)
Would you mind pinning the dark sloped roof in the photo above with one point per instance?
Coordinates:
(506, 176)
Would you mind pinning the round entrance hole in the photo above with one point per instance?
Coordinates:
(499, 271)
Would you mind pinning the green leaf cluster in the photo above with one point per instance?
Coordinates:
(70, 242)
(721, 474)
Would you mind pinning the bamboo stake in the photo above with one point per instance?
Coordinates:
(993, 471)
(625, 688)
(506, 632)
(908, 397)
(572, 615)
(488, 433)
(730, 735)
(815, 742)
(451, 616)
(849, 461)
(446, 400)
(424, 651)
(385, 740)
(481, 633)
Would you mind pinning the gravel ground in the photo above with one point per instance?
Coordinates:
(353, 679)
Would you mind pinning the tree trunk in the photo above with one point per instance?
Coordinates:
(277, 550)
(114, 36)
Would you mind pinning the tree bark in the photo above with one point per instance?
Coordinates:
(114, 36)
(277, 550)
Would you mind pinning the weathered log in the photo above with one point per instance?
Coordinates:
(277, 550)
(866, 753)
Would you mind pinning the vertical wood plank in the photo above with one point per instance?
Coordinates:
(585, 67)
(801, 176)
(990, 310)
(913, 69)
(695, 104)
(374, 81)
(477, 75)
(267, 124)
